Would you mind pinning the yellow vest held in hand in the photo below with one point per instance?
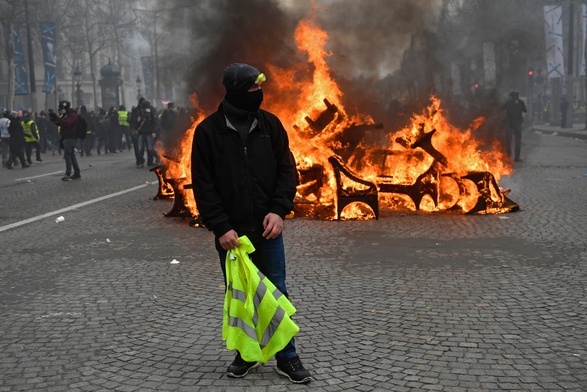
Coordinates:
(256, 317)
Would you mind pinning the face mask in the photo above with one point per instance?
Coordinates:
(61, 111)
(249, 101)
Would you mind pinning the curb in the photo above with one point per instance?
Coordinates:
(576, 135)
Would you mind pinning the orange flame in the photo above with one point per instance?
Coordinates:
(177, 158)
(310, 106)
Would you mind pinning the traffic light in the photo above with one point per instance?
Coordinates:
(530, 76)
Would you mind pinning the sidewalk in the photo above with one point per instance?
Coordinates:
(577, 131)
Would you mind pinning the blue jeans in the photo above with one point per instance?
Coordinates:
(269, 257)
(69, 155)
(145, 140)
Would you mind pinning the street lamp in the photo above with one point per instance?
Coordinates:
(77, 76)
(139, 81)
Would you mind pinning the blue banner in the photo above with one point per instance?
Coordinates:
(49, 58)
(21, 75)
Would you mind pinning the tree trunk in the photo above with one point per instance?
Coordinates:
(11, 68)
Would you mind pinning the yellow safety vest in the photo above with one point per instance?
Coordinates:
(28, 131)
(123, 118)
(256, 317)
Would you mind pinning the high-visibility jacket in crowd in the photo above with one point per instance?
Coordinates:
(123, 118)
(256, 317)
(30, 135)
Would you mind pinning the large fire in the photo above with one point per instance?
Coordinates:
(429, 165)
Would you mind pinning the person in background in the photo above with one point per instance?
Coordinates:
(564, 108)
(124, 128)
(515, 109)
(67, 122)
(168, 122)
(113, 131)
(244, 183)
(45, 128)
(147, 132)
(17, 141)
(101, 132)
(88, 143)
(4, 137)
(31, 137)
(134, 126)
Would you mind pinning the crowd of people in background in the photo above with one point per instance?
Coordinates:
(26, 136)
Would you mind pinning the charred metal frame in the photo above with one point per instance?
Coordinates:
(367, 192)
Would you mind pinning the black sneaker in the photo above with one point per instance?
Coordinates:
(294, 370)
(239, 367)
(76, 177)
(66, 178)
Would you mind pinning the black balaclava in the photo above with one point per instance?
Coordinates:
(237, 79)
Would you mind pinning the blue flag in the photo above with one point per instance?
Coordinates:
(48, 43)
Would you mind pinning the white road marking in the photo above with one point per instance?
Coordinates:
(40, 175)
(73, 207)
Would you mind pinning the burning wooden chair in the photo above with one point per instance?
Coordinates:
(326, 117)
(490, 197)
(180, 206)
(348, 195)
(425, 184)
(165, 190)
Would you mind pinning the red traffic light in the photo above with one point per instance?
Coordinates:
(530, 72)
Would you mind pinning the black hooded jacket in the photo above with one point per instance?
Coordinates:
(236, 184)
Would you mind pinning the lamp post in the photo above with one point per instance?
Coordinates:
(77, 76)
(139, 81)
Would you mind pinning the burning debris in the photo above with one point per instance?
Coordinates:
(477, 191)
(351, 167)
(164, 190)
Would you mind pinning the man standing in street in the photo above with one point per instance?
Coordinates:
(244, 180)
(515, 109)
(67, 121)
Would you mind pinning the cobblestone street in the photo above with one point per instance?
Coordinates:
(409, 302)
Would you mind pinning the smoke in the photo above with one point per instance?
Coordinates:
(221, 32)
(366, 39)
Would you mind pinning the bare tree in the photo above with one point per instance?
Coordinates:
(122, 21)
(86, 31)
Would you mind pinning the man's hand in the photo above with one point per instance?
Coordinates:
(229, 240)
(273, 225)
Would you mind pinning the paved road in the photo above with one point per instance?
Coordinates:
(411, 302)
